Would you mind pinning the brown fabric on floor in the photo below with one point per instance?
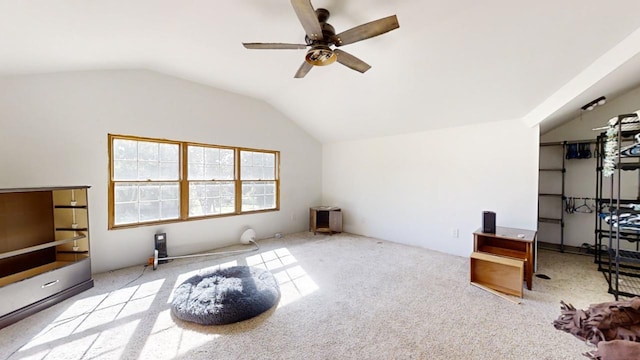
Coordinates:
(613, 326)
(616, 350)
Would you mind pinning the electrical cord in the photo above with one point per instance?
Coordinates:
(156, 259)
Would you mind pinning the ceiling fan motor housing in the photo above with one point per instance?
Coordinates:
(320, 53)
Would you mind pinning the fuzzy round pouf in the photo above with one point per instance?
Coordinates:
(225, 296)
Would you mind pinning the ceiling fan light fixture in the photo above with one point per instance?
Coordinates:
(320, 55)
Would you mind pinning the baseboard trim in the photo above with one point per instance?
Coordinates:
(567, 248)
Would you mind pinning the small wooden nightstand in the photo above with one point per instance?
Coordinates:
(326, 219)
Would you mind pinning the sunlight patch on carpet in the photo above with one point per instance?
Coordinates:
(295, 283)
(272, 260)
(166, 334)
(90, 321)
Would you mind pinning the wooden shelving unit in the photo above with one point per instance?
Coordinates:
(44, 248)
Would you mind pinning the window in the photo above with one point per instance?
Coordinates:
(155, 181)
(258, 175)
(211, 177)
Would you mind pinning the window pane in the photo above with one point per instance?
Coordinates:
(227, 173)
(149, 211)
(148, 151)
(169, 152)
(169, 166)
(258, 195)
(126, 193)
(210, 163)
(169, 170)
(144, 160)
(170, 192)
(136, 203)
(125, 149)
(248, 173)
(211, 172)
(125, 170)
(196, 163)
(257, 165)
(169, 201)
(211, 198)
(169, 209)
(149, 192)
(196, 172)
(246, 158)
(126, 213)
(148, 170)
(269, 172)
(227, 157)
(212, 156)
(258, 159)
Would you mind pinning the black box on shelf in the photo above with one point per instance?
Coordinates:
(489, 222)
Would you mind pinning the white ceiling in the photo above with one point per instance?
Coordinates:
(450, 63)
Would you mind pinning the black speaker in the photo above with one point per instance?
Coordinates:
(161, 246)
(489, 222)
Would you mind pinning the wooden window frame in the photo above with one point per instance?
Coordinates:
(183, 181)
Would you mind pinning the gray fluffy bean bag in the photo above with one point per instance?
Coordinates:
(225, 296)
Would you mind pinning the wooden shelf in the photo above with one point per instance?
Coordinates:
(39, 247)
(509, 253)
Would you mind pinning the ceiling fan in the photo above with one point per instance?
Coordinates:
(321, 37)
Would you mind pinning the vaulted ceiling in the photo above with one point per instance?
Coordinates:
(451, 63)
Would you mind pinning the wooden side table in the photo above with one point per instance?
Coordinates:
(510, 243)
(326, 219)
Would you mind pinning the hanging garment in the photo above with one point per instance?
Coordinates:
(584, 151)
(572, 151)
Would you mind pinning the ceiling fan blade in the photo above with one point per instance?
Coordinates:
(273, 46)
(368, 30)
(308, 18)
(303, 70)
(351, 61)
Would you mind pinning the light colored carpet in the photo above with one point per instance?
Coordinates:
(343, 297)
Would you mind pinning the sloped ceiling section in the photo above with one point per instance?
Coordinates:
(449, 64)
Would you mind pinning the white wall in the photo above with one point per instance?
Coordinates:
(416, 188)
(54, 132)
(581, 173)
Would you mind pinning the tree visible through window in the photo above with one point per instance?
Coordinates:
(154, 180)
